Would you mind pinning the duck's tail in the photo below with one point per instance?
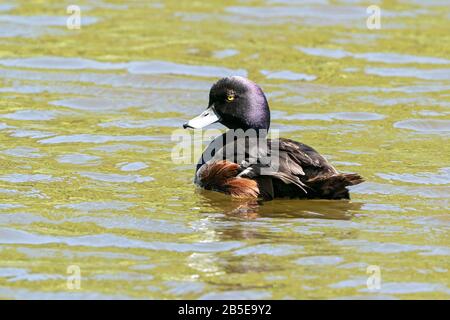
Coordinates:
(334, 186)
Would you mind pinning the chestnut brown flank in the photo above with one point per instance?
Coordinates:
(221, 176)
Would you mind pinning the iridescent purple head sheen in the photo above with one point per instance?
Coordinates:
(248, 108)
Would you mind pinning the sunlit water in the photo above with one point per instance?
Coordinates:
(87, 180)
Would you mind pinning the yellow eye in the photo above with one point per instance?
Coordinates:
(230, 98)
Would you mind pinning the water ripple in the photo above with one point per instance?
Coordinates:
(94, 138)
(136, 67)
(441, 178)
(111, 177)
(424, 125)
(12, 236)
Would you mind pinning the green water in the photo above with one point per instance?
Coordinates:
(87, 177)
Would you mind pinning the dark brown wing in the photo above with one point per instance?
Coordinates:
(301, 172)
(301, 160)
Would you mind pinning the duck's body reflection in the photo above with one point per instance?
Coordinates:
(253, 209)
(272, 235)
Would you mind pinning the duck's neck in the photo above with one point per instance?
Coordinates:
(249, 132)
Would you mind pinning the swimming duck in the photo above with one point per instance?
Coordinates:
(244, 163)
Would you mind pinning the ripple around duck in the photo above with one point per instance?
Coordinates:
(237, 295)
(222, 54)
(350, 283)
(385, 247)
(309, 14)
(35, 26)
(60, 63)
(6, 206)
(113, 148)
(41, 20)
(436, 221)
(12, 236)
(162, 82)
(427, 3)
(78, 158)
(382, 207)
(385, 57)
(426, 74)
(128, 276)
(267, 249)
(388, 189)
(62, 295)
(6, 6)
(349, 116)
(32, 193)
(288, 75)
(100, 99)
(163, 67)
(33, 134)
(418, 88)
(441, 178)
(140, 124)
(22, 178)
(24, 152)
(4, 126)
(319, 260)
(91, 206)
(357, 116)
(399, 58)
(117, 178)
(134, 67)
(32, 115)
(133, 223)
(325, 52)
(388, 102)
(39, 252)
(95, 104)
(431, 113)
(410, 287)
(184, 287)
(18, 274)
(133, 166)
(346, 224)
(424, 125)
(106, 99)
(347, 163)
(93, 138)
(19, 218)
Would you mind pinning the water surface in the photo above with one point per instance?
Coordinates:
(87, 180)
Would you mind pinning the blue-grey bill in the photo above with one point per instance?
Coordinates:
(206, 118)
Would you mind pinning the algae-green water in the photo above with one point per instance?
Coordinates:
(89, 189)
